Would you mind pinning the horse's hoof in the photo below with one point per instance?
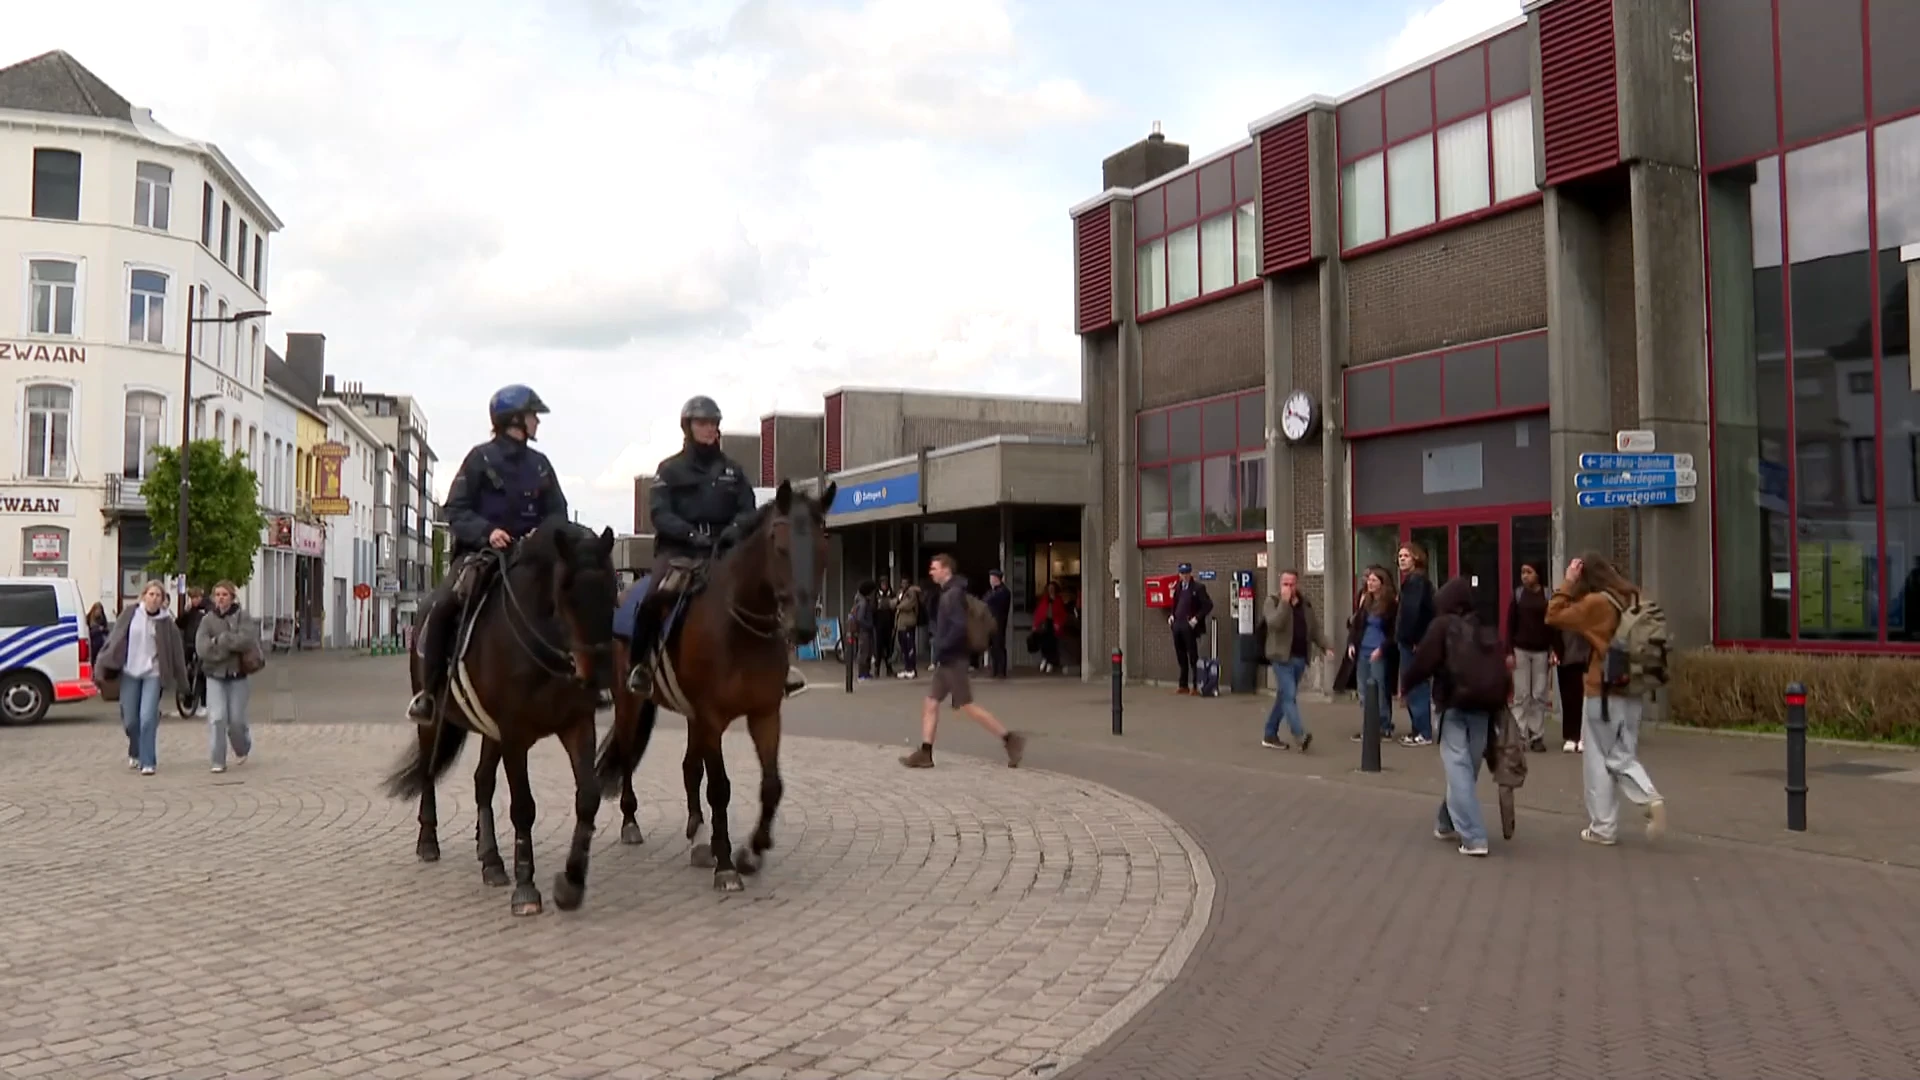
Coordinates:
(526, 901)
(566, 895)
(693, 826)
(494, 875)
(427, 851)
(702, 857)
(728, 881)
(745, 861)
(630, 833)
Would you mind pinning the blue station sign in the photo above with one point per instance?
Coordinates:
(1649, 478)
(877, 494)
(1635, 462)
(1614, 498)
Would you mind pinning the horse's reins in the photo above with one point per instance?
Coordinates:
(539, 643)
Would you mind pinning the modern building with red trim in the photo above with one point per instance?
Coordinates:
(1698, 218)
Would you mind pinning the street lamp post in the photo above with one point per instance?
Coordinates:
(186, 423)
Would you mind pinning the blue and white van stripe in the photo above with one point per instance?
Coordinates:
(23, 647)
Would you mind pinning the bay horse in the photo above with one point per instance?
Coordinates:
(727, 658)
(528, 655)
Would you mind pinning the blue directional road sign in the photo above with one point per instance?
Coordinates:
(1635, 462)
(1613, 498)
(1652, 478)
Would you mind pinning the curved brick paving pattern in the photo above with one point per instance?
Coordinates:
(972, 920)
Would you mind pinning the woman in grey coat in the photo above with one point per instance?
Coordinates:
(144, 651)
(228, 642)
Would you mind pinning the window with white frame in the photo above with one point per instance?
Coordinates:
(1195, 233)
(233, 445)
(253, 356)
(199, 421)
(53, 296)
(220, 427)
(56, 184)
(220, 336)
(146, 426)
(49, 432)
(152, 195)
(1448, 141)
(44, 551)
(147, 307)
(199, 332)
(253, 462)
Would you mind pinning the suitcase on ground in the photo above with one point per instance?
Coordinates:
(1206, 677)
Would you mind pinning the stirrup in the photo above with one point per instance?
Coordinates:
(640, 679)
(796, 682)
(426, 720)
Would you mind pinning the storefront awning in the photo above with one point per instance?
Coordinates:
(1017, 470)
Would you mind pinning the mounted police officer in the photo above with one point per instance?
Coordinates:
(701, 501)
(504, 489)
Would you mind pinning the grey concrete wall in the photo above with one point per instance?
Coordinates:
(1322, 157)
(1653, 54)
(1577, 390)
(798, 443)
(881, 425)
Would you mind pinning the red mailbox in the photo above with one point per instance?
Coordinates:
(1159, 590)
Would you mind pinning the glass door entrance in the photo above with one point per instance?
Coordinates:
(1487, 547)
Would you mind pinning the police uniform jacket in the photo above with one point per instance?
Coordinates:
(502, 484)
(697, 495)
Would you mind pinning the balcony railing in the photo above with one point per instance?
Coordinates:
(123, 494)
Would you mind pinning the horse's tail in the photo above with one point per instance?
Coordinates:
(613, 767)
(429, 761)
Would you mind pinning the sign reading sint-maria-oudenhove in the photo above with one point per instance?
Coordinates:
(877, 494)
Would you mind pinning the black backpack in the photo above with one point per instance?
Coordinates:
(1476, 666)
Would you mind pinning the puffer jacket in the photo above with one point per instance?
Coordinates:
(223, 638)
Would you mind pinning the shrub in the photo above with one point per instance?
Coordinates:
(1872, 698)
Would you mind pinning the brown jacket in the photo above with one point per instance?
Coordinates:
(1279, 619)
(1594, 617)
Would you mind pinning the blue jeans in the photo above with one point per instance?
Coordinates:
(1286, 698)
(227, 719)
(1463, 745)
(140, 717)
(1374, 673)
(1419, 700)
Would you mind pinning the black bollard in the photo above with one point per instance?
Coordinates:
(1796, 757)
(847, 647)
(1118, 680)
(1370, 728)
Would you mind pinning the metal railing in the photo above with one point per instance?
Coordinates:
(123, 493)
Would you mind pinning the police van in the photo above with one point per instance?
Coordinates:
(45, 657)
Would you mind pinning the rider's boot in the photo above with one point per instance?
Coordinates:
(796, 682)
(640, 677)
(433, 665)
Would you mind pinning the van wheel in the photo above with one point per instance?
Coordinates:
(25, 697)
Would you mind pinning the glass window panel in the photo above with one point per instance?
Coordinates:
(1820, 63)
(1153, 504)
(1416, 391)
(1468, 380)
(1896, 160)
(1508, 60)
(1253, 420)
(1523, 372)
(1246, 179)
(1409, 105)
(1363, 201)
(1183, 265)
(1369, 398)
(1736, 79)
(1217, 422)
(1899, 461)
(1253, 491)
(1247, 238)
(1827, 200)
(1894, 25)
(1460, 85)
(1183, 195)
(1184, 496)
(1183, 425)
(1464, 183)
(1359, 122)
(1150, 280)
(1216, 186)
(1150, 212)
(1153, 438)
(1216, 253)
(1513, 164)
(1410, 185)
(1218, 485)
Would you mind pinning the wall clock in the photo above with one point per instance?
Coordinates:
(1297, 416)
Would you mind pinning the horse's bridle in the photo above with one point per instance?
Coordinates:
(541, 650)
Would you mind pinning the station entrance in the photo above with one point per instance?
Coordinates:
(1487, 545)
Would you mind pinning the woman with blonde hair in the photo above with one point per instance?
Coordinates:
(145, 652)
(229, 646)
(1370, 647)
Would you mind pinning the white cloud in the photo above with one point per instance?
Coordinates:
(1442, 26)
(624, 204)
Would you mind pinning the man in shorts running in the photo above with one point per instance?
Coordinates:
(950, 659)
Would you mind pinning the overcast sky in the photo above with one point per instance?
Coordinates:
(626, 202)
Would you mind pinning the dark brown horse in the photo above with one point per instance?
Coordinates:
(528, 669)
(728, 658)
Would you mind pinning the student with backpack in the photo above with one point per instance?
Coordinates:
(962, 625)
(1628, 636)
(1467, 664)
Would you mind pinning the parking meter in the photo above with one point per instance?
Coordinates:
(1246, 652)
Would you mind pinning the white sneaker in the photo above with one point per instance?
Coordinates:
(239, 760)
(148, 771)
(1474, 849)
(133, 763)
(218, 769)
(1569, 746)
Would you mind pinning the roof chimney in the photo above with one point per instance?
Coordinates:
(1143, 162)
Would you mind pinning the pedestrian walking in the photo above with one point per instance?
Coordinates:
(1466, 665)
(951, 653)
(906, 626)
(1530, 655)
(860, 621)
(229, 644)
(1417, 612)
(1372, 652)
(1626, 633)
(145, 653)
(1570, 668)
(1291, 635)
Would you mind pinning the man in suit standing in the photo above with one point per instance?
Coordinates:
(1191, 607)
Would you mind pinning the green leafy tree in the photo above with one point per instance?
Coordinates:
(439, 554)
(223, 514)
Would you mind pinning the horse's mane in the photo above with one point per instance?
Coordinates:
(542, 547)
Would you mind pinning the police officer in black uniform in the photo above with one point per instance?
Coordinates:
(701, 501)
(504, 489)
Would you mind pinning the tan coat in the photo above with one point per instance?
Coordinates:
(1279, 620)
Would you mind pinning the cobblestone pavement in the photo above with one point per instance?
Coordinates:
(1344, 941)
(272, 921)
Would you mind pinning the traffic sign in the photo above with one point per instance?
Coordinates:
(1667, 496)
(1633, 442)
(362, 591)
(1635, 462)
(1647, 478)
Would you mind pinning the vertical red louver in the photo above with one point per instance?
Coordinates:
(766, 452)
(1093, 270)
(1286, 198)
(832, 448)
(1579, 95)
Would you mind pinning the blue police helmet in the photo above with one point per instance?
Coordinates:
(509, 402)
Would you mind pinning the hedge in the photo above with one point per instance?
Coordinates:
(1848, 697)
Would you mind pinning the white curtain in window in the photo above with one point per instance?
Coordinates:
(1247, 224)
(1513, 173)
(1150, 277)
(1216, 253)
(1463, 167)
(1183, 265)
(1153, 504)
(1410, 185)
(49, 431)
(1363, 201)
(145, 430)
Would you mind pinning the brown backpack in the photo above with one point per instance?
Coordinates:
(1476, 666)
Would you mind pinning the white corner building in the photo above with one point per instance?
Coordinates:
(107, 222)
